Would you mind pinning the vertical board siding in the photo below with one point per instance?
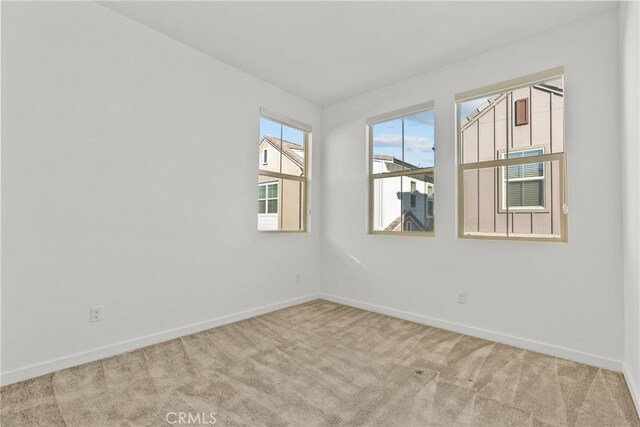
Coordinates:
(492, 132)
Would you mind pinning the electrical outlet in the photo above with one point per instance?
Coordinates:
(462, 297)
(298, 278)
(95, 314)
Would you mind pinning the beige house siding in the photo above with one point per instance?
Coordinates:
(486, 136)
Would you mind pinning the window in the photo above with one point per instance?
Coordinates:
(282, 167)
(523, 184)
(402, 166)
(511, 160)
(268, 198)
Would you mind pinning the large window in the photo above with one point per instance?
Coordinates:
(511, 160)
(401, 165)
(282, 181)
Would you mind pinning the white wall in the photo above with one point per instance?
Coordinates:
(115, 142)
(129, 179)
(630, 90)
(564, 299)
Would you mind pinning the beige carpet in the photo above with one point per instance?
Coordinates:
(322, 363)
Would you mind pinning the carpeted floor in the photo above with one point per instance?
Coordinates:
(322, 363)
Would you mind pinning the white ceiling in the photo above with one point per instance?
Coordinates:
(328, 51)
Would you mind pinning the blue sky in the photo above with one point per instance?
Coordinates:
(468, 107)
(273, 128)
(418, 138)
(387, 136)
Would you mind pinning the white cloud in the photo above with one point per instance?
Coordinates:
(411, 142)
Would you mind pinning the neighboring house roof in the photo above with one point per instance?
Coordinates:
(408, 215)
(493, 100)
(394, 160)
(287, 148)
(482, 108)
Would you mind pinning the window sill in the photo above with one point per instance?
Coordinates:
(553, 238)
(404, 233)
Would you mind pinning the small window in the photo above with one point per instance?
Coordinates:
(268, 198)
(522, 112)
(523, 185)
(282, 180)
(402, 167)
(511, 160)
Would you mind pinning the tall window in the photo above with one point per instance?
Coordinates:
(402, 166)
(282, 181)
(511, 156)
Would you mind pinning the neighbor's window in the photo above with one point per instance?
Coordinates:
(282, 164)
(402, 162)
(268, 198)
(524, 185)
(511, 152)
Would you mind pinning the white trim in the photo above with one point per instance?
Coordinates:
(425, 106)
(510, 85)
(524, 343)
(287, 121)
(633, 387)
(43, 368)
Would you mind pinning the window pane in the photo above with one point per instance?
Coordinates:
(267, 219)
(387, 194)
(387, 146)
(487, 124)
(526, 186)
(534, 205)
(532, 170)
(419, 140)
(272, 206)
(293, 151)
(292, 207)
(269, 148)
(480, 201)
(417, 202)
(533, 193)
(284, 205)
(272, 190)
(483, 128)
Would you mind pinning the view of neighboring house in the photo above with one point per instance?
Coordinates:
(525, 199)
(280, 205)
(402, 203)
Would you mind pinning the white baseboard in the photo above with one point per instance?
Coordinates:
(527, 344)
(39, 369)
(633, 386)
